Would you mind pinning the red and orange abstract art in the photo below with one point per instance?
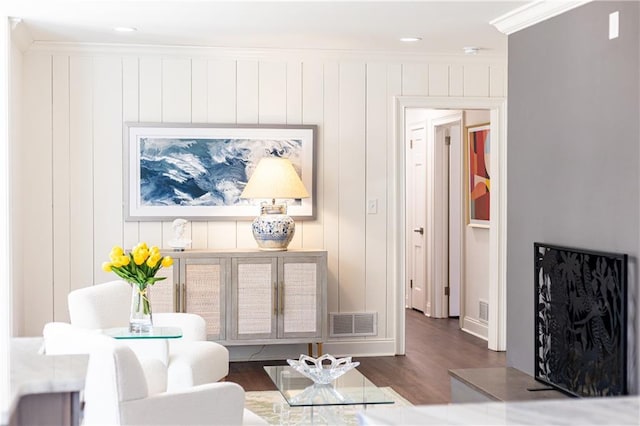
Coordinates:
(479, 180)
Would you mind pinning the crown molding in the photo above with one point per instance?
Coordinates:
(80, 48)
(20, 35)
(533, 13)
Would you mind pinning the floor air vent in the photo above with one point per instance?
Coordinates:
(343, 324)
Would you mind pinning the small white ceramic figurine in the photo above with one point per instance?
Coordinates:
(179, 243)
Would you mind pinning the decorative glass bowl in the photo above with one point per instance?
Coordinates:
(322, 370)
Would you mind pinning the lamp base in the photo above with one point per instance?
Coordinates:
(273, 230)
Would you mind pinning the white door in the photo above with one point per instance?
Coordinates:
(416, 216)
(441, 222)
(456, 208)
(447, 216)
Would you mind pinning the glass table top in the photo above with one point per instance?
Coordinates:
(155, 333)
(352, 388)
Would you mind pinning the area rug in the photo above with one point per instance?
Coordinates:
(271, 406)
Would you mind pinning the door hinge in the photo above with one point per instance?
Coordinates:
(410, 283)
(447, 140)
(410, 143)
(446, 291)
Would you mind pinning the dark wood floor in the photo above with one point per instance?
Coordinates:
(433, 347)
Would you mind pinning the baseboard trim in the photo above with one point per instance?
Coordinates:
(475, 327)
(363, 348)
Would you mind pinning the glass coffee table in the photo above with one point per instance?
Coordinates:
(155, 333)
(352, 388)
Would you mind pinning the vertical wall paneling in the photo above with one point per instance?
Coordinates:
(331, 211)
(37, 173)
(376, 191)
(199, 114)
(438, 80)
(244, 235)
(351, 165)
(294, 92)
(176, 108)
(150, 89)
(221, 101)
(107, 158)
(394, 88)
(16, 156)
(176, 90)
(247, 102)
(62, 257)
(476, 80)
(312, 113)
(294, 116)
(496, 81)
(130, 108)
(456, 80)
(81, 194)
(221, 234)
(221, 91)
(272, 93)
(199, 90)
(150, 110)
(415, 79)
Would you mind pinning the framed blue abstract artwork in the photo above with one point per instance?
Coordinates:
(198, 171)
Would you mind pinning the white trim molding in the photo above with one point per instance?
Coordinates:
(533, 13)
(475, 327)
(497, 330)
(6, 399)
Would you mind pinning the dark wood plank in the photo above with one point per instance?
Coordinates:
(433, 347)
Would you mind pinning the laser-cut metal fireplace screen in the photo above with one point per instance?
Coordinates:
(581, 319)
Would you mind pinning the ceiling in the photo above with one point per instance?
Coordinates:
(444, 26)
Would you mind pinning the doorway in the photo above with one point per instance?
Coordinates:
(433, 211)
(496, 324)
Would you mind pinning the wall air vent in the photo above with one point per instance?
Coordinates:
(483, 314)
(348, 324)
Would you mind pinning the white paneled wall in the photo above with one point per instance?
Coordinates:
(75, 104)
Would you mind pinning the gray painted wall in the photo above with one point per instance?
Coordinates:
(573, 151)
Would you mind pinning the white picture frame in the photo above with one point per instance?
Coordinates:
(197, 171)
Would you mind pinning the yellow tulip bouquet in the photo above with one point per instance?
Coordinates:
(138, 268)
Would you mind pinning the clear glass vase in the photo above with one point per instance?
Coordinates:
(140, 319)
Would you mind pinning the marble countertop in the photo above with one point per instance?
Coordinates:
(34, 373)
(584, 411)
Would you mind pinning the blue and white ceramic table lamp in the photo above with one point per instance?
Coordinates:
(274, 177)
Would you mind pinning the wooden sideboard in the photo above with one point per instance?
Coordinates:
(249, 297)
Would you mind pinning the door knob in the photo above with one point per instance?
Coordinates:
(419, 230)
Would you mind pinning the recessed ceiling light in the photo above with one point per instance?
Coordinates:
(471, 50)
(125, 29)
(410, 39)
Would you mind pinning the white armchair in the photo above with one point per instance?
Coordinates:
(190, 360)
(116, 393)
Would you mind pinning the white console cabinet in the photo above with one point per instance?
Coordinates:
(249, 296)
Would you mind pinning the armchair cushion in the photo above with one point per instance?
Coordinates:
(104, 305)
(194, 327)
(195, 363)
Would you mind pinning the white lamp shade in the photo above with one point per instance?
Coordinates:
(275, 177)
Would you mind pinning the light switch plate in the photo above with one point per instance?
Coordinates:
(372, 207)
(614, 25)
